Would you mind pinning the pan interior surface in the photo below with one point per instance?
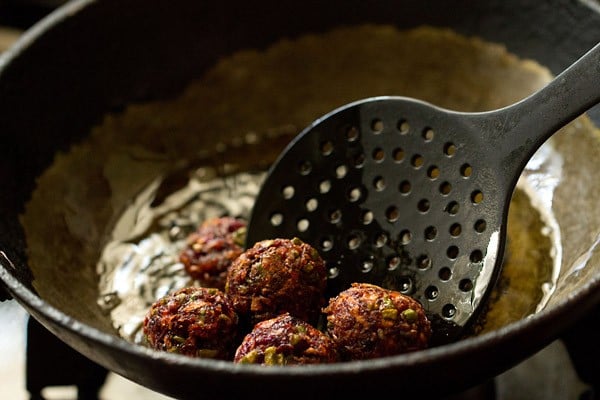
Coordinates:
(112, 212)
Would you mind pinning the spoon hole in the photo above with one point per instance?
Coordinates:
(379, 183)
(381, 240)
(405, 237)
(403, 127)
(477, 197)
(393, 263)
(335, 216)
(327, 147)
(433, 172)
(333, 272)
(449, 311)
(423, 205)
(359, 161)
(417, 161)
(352, 133)
(430, 233)
(311, 204)
(466, 285)
(326, 244)
(398, 155)
(276, 219)
(405, 284)
(452, 208)
(431, 292)
(287, 192)
(303, 225)
(354, 194)
(449, 149)
(341, 171)
(353, 242)
(324, 186)
(428, 134)
(423, 261)
(377, 125)
(452, 252)
(392, 213)
(445, 273)
(304, 168)
(378, 155)
(367, 266)
(367, 217)
(476, 256)
(466, 170)
(455, 230)
(445, 188)
(404, 187)
(480, 226)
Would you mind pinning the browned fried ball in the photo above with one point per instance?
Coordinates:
(285, 340)
(367, 321)
(277, 276)
(193, 321)
(211, 249)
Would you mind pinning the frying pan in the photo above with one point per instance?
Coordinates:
(89, 58)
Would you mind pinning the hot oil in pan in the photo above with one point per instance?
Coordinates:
(142, 263)
(107, 210)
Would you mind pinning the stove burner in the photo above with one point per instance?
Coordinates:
(50, 362)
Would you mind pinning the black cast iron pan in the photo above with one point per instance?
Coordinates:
(92, 57)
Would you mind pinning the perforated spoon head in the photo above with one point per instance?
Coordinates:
(393, 192)
(412, 197)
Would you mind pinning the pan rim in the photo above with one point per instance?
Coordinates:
(571, 307)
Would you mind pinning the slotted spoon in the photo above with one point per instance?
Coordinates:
(401, 193)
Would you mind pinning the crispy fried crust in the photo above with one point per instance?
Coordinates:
(285, 340)
(277, 276)
(367, 321)
(198, 322)
(211, 249)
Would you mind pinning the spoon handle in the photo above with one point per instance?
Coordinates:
(517, 131)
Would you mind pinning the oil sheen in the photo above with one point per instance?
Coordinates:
(141, 263)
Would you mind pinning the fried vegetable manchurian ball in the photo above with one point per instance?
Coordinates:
(211, 249)
(197, 322)
(367, 321)
(285, 340)
(277, 276)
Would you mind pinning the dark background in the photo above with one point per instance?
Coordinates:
(21, 14)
